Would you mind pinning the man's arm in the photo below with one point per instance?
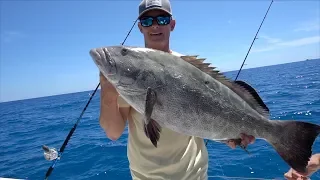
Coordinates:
(112, 117)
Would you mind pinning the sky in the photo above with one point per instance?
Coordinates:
(44, 45)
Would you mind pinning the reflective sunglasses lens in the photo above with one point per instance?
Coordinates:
(163, 20)
(146, 21)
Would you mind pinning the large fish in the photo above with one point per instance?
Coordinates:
(187, 96)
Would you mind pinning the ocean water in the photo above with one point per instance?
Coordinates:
(291, 91)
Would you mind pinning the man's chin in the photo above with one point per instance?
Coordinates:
(157, 39)
(157, 42)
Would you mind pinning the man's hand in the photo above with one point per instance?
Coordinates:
(313, 166)
(107, 87)
(112, 118)
(293, 175)
(245, 141)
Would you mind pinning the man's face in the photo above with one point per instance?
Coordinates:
(156, 35)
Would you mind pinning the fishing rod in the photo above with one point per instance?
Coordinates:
(255, 37)
(51, 154)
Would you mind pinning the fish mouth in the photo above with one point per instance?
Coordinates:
(104, 61)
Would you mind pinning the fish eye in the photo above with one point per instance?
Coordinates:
(124, 51)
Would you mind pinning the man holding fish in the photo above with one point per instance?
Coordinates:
(151, 154)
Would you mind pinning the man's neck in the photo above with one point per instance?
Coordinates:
(164, 48)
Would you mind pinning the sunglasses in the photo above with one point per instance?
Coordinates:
(161, 20)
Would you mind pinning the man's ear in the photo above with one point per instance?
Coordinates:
(140, 27)
(172, 24)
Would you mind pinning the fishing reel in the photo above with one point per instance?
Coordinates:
(50, 154)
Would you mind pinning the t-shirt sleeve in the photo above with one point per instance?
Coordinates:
(176, 53)
(122, 102)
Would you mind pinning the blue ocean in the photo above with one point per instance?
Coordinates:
(291, 91)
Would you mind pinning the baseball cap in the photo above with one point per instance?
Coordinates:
(147, 5)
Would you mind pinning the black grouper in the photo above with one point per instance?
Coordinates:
(187, 96)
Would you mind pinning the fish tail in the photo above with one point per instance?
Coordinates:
(294, 143)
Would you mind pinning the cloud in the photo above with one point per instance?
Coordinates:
(10, 36)
(311, 25)
(301, 42)
(269, 39)
(278, 43)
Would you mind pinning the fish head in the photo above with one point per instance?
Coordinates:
(106, 63)
(129, 68)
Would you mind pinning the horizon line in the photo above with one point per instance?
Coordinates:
(82, 91)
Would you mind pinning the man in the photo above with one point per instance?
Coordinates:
(313, 166)
(177, 156)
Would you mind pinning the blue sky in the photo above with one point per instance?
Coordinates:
(45, 45)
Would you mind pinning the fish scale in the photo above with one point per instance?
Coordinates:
(185, 95)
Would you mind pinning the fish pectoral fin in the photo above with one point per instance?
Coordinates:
(151, 128)
(151, 99)
(152, 131)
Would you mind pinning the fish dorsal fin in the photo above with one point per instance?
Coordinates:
(198, 62)
(241, 88)
(189, 58)
(264, 109)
